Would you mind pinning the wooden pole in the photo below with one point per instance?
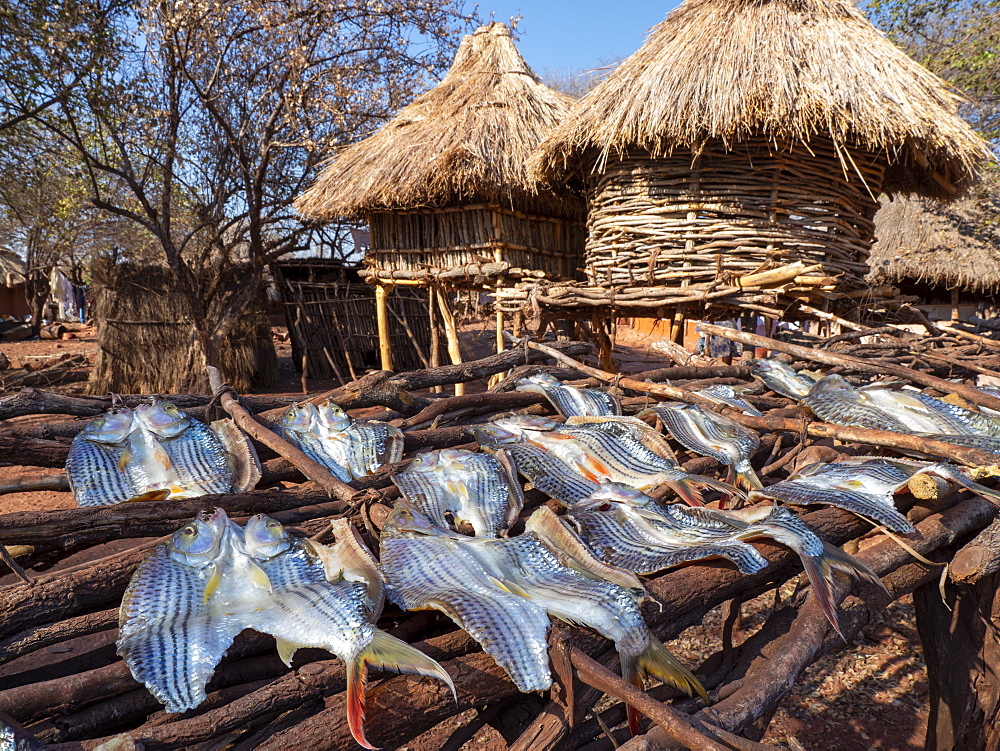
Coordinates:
(382, 314)
(451, 333)
(435, 357)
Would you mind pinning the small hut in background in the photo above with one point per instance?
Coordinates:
(945, 254)
(733, 163)
(12, 278)
(330, 312)
(148, 346)
(445, 188)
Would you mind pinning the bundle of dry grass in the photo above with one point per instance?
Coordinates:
(798, 70)
(148, 345)
(750, 134)
(952, 245)
(466, 141)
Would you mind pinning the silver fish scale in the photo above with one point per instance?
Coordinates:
(322, 614)
(426, 572)
(782, 379)
(294, 567)
(696, 518)
(684, 425)
(728, 395)
(488, 505)
(370, 445)
(842, 407)
(93, 474)
(629, 454)
(623, 545)
(199, 459)
(574, 402)
(167, 639)
(785, 527)
(550, 474)
(868, 505)
(317, 449)
(985, 442)
(603, 606)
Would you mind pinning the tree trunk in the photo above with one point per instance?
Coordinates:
(962, 650)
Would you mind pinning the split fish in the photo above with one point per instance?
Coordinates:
(481, 489)
(835, 400)
(781, 379)
(312, 609)
(426, 570)
(525, 566)
(601, 455)
(925, 414)
(170, 639)
(196, 461)
(571, 401)
(712, 435)
(361, 447)
(298, 428)
(92, 467)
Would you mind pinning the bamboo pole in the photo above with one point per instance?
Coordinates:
(382, 314)
(451, 333)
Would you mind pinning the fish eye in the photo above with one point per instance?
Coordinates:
(190, 530)
(273, 524)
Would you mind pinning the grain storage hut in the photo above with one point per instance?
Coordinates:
(945, 254)
(738, 155)
(445, 186)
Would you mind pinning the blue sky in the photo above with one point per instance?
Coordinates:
(556, 36)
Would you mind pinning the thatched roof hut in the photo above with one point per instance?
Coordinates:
(445, 182)
(13, 272)
(12, 269)
(950, 245)
(751, 133)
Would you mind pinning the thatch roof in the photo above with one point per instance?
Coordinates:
(467, 140)
(795, 70)
(12, 269)
(955, 244)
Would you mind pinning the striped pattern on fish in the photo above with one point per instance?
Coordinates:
(834, 400)
(780, 378)
(93, 473)
(727, 395)
(198, 460)
(168, 640)
(240, 454)
(472, 487)
(317, 449)
(712, 435)
(871, 506)
(571, 401)
(430, 572)
(549, 474)
(626, 542)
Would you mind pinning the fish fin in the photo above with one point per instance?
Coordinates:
(510, 587)
(687, 492)
(357, 671)
(213, 583)
(259, 578)
(656, 660)
(389, 653)
(287, 650)
(820, 569)
(150, 495)
(630, 672)
(746, 477)
(125, 458)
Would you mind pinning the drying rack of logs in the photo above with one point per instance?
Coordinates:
(76, 698)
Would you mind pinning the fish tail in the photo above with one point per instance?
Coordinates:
(686, 491)
(656, 660)
(389, 653)
(746, 477)
(357, 671)
(820, 570)
(630, 672)
(981, 490)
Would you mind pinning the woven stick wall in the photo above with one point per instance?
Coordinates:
(333, 324)
(724, 213)
(149, 346)
(442, 239)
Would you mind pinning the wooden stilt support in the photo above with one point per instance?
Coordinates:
(435, 355)
(382, 315)
(500, 348)
(451, 332)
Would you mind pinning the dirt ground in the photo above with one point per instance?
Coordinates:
(872, 696)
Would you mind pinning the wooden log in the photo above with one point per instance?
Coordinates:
(16, 449)
(470, 404)
(52, 331)
(451, 334)
(979, 558)
(38, 637)
(24, 483)
(853, 363)
(17, 334)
